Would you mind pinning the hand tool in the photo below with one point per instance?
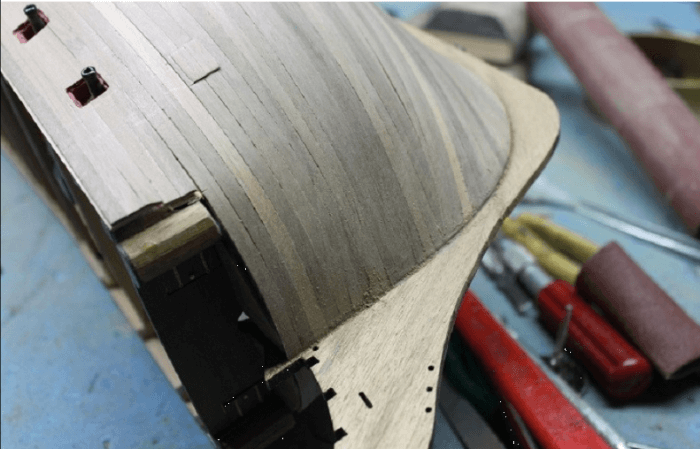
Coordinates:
(659, 236)
(592, 417)
(581, 249)
(620, 370)
(467, 424)
(562, 335)
(634, 303)
(551, 260)
(572, 245)
(505, 281)
(658, 127)
(565, 367)
(552, 420)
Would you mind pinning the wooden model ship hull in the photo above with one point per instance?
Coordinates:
(321, 170)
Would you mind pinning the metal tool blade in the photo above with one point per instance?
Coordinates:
(505, 280)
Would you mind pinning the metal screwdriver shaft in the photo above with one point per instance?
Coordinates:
(562, 335)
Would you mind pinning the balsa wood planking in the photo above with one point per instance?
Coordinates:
(337, 152)
(393, 351)
(351, 163)
(108, 147)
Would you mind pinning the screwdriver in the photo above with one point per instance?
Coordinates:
(637, 306)
(620, 370)
(553, 421)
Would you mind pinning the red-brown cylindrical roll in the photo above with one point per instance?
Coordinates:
(642, 310)
(659, 128)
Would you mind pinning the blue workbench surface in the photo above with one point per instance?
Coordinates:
(74, 374)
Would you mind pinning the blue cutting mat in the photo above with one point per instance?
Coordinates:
(74, 373)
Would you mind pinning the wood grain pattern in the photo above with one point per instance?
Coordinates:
(393, 351)
(352, 162)
(28, 148)
(171, 241)
(337, 152)
(110, 147)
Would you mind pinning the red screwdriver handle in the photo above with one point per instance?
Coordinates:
(620, 369)
(552, 420)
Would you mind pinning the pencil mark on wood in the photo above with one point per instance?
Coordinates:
(205, 76)
(365, 399)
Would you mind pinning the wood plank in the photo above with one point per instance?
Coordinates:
(32, 155)
(359, 168)
(315, 256)
(393, 351)
(335, 164)
(109, 146)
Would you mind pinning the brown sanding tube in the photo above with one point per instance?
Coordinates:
(659, 128)
(642, 310)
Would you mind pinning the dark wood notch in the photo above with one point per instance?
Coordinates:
(365, 399)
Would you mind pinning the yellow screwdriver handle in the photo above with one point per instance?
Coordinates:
(558, 265)
(569, 243)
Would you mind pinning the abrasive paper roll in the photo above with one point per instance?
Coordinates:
(642, 310)
(653, 120)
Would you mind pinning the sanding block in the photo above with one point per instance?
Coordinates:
(642, 310)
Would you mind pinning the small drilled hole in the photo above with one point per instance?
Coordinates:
(315, 348)
(429, 389)
(431, 367)
(365, 399)
(428, 409)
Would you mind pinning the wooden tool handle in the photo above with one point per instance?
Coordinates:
(554, 262)
(562, 239)
(634, 96)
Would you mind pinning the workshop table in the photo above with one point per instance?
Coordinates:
(75, 375)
